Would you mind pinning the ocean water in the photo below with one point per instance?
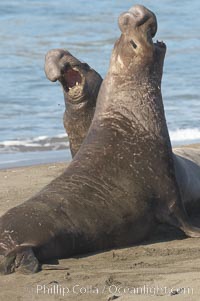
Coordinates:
(31, 107)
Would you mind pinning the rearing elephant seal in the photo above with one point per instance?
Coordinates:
(186, 159)
(122, 177)
(80, 87)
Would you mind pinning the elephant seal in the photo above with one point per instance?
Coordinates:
(186, 159)
(187, 168)
(80, 87)
(121, 181)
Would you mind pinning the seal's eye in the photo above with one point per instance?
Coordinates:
(133, 44)
(71, 78)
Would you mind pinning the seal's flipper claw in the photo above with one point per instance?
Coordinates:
(7, 264)
(26, 262)
(21, 260)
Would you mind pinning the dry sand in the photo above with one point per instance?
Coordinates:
(167, 267)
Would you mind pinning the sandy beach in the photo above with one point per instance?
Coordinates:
(166, 267)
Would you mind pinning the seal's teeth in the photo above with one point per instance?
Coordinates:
(76, 83)
(161, 43)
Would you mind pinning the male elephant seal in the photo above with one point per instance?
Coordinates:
(80, 86)
(186, 159)
(187, 168)
(121, 179)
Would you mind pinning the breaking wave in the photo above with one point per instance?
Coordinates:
(60, 142)
(41, 143)
(185, 135)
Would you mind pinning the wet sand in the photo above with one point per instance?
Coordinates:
(166, 267)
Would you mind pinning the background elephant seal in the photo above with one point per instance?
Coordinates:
(122, 177)
(186, 159)
(80, 87)
(187, 167)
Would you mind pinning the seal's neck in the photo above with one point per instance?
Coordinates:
(136, 96)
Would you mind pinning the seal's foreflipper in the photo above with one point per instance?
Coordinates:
(26, 262)
(21, 260)
(191, 231)
(178, 217)
(187, 227)
(7, 264)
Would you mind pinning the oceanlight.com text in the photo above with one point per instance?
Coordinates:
(77, 289)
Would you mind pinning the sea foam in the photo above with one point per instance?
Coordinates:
(185, 135)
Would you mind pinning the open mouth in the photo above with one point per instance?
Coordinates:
(158, 44)
(71, 79)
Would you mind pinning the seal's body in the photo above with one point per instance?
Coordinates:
(187, 168)
(121, 180)
(186, 159)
